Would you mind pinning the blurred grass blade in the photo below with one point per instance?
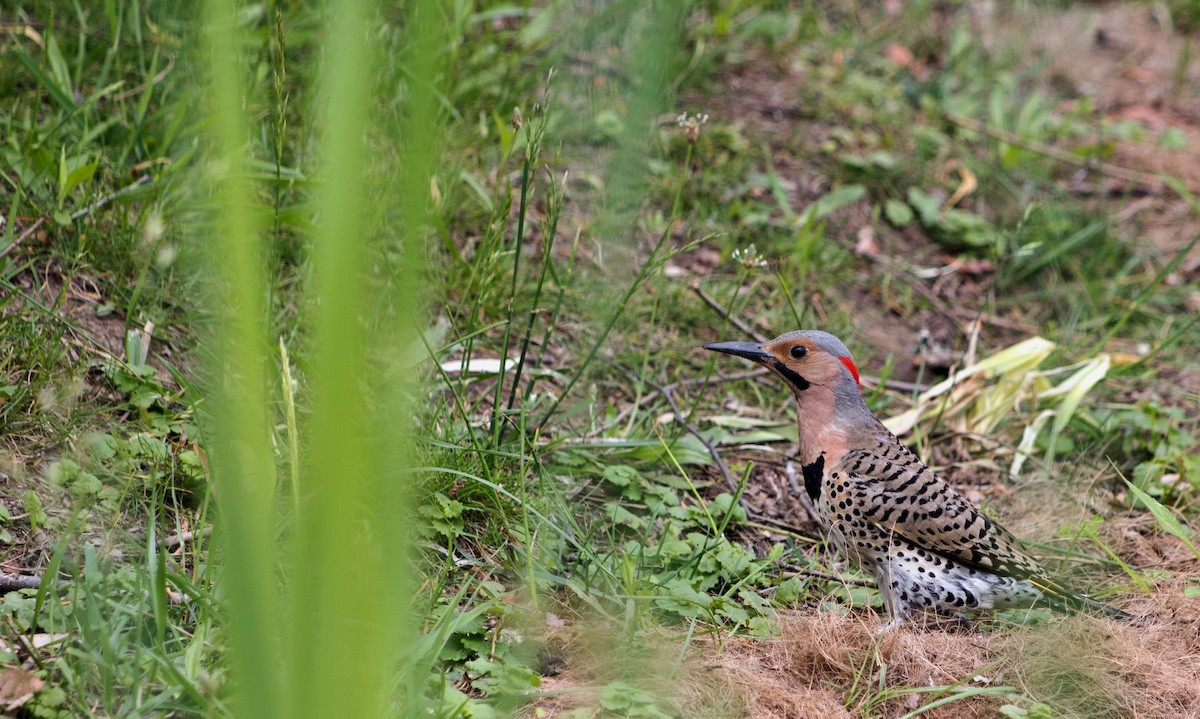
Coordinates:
(340, 632)
(240, 458)
(1164, 516)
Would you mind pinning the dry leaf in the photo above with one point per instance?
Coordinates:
(867, 244)
(899, 54)
(18, 686)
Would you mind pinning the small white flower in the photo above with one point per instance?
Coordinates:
(749, 258)
(691, 125)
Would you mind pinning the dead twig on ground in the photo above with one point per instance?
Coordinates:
(733, 319)
(1149, 181)
(98, 204)
(802, 571)
(177, 540)
(24, 235)
(13, 582)
(665, 391)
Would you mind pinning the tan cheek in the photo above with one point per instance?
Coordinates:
(827, 371)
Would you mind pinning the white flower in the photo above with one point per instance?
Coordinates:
(749, 258)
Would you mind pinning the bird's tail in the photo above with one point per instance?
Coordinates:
(1062, 597)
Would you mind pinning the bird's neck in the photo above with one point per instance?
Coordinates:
(830, 425)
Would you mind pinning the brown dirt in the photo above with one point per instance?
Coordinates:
(1134, 67)
(89, 339)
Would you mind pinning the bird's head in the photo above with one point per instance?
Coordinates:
(831, 414)
(804, 359)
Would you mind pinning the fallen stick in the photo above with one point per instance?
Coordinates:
(177, 540)
(13, 582)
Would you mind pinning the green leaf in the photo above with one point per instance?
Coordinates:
(101, 446)
(926, 205)
(58, 64)
(683, 599)
(897, 212)
(79, 175)
(32, 504)
(761, 626)
(788, 591)
(733, 558)
(754, 600)
(733, 612)
(1172, 138)
(1165, 517)
(1073, 389)
(619, 515)
(842, 196)
(48, 83)
(621, 475)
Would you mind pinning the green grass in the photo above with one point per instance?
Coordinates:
(258, 264)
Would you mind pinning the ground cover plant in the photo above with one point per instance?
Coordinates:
(351, 351)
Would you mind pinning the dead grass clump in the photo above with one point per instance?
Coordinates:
(1137, 538)
(1088, 667)
(831, 665)
(824, 663)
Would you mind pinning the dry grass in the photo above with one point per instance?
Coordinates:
(1081, 666)
(829, 664)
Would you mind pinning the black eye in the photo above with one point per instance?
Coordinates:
(798, 351)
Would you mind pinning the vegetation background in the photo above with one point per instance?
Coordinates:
(350, 352)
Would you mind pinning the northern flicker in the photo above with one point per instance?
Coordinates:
(925, 545)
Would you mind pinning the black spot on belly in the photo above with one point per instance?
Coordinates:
(812, 478)
(790, 375)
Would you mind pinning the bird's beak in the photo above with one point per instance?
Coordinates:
(748, 350)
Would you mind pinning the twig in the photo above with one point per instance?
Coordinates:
(733, 319)
(758, 520)
(176, 540)
(1121, 173)
(829, 577)
(665, 391)
(24, 235)
(13, 582)
(98, 204)
(104, 201)
(20, 638)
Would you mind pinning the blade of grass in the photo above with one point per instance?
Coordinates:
(1164, 516)
(1145, 294)
(241, 462)
(288, 390)
(343, 633)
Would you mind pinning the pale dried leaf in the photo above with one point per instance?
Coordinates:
(18, 686)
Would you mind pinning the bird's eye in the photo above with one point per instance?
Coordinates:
(798, 351)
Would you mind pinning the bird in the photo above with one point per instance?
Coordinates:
(924, 544)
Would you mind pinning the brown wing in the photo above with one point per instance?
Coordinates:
(894, 490)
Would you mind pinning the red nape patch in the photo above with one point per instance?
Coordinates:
(853, 370)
